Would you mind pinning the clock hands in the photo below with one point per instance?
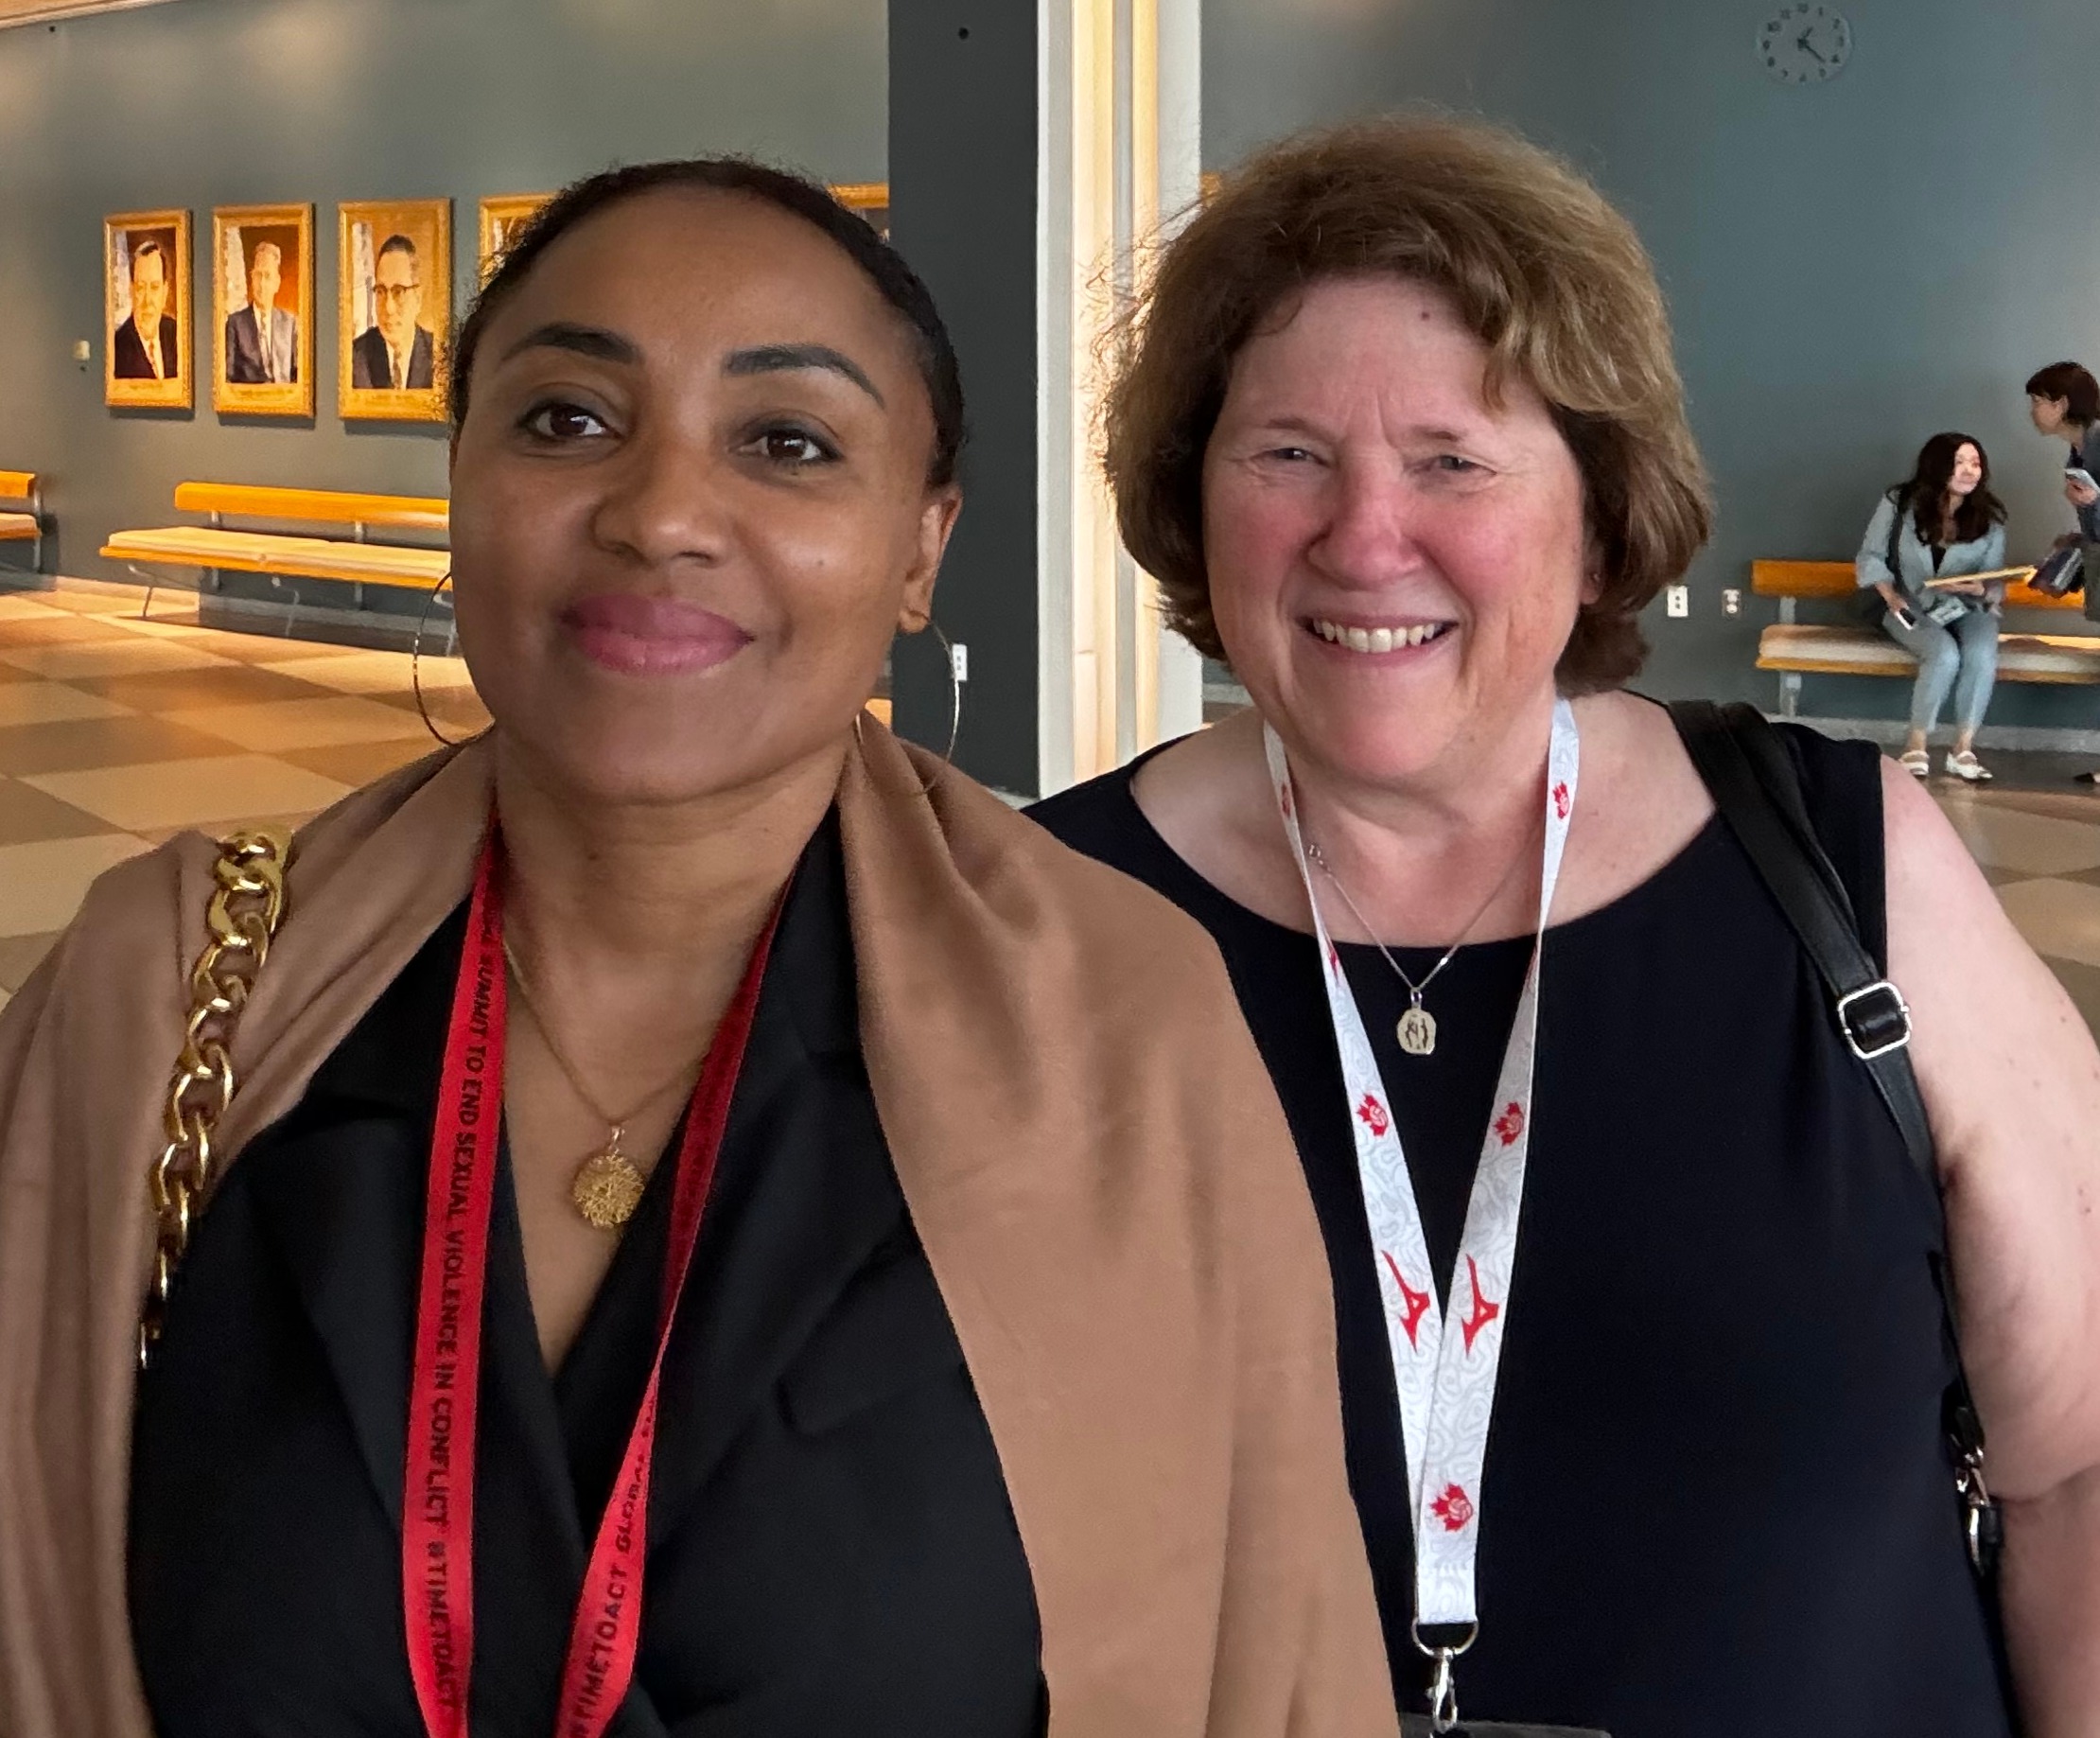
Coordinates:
(1802, 41)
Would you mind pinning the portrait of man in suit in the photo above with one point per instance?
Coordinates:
(147, 346)
(396, 352)
(262, 340)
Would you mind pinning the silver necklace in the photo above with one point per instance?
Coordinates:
(1417, 1031)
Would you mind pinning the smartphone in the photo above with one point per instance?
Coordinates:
(1903, 617)
(2073, 474)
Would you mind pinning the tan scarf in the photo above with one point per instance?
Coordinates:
(1086, 1140)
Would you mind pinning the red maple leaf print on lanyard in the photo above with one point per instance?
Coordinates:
(1454, 1508)
(1374, 1114)
(1561, 801)
(1510, 1124)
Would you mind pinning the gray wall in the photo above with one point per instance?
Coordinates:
(1852, 267)
(962, 141)
(211, 102)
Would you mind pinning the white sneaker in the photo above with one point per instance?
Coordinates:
(1968, 768)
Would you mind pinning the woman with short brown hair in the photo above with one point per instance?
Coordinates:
(1552, 280)
(1401, 435)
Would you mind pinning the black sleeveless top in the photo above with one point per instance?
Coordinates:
(1717, 1497)
(831, 1544)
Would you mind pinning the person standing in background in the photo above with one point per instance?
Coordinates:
(1943, 522)
(2063, 400)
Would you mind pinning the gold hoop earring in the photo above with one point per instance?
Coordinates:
(415, 668)
(954, 712)
(955, 694)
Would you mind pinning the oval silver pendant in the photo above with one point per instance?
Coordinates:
(1418, 1031)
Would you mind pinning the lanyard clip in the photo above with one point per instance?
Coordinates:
(1443, 1693)
(1443, 1685)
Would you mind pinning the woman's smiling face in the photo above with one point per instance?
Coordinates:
(689, 498)
(1394, 564)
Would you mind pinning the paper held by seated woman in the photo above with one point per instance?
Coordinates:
(1180, 1491)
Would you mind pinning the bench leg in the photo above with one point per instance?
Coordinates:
(152, 585)
(1790, 693)
(291, 615)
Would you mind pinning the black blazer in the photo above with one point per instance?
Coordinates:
(129, 353)
(830, 1545)
(372, 369)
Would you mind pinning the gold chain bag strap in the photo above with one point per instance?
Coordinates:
(247, 906)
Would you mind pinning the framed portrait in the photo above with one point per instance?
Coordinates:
(145, 278)
(502, 218)
(394, 304)
(869, 197)
(262, 309)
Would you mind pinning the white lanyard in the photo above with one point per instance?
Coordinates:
(1446, 1380)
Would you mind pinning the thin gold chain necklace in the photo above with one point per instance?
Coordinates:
(608, 1185)
(1417, 1031)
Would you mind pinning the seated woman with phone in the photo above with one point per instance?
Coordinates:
(1936, 551)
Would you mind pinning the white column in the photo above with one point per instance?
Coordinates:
(1180, 176)
(1120, 109)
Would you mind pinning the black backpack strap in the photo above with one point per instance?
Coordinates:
(1757, 787)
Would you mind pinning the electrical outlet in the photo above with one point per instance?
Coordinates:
(1678, 601)
(1731, 602)
(960, 656)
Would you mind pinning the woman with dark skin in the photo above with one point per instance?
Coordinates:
(898, 1466)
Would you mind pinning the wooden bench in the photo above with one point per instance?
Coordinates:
(22, 514)
(1795, 648)
(214, 546)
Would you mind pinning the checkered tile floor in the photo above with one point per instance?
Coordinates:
(116, 732)
(2037, 837)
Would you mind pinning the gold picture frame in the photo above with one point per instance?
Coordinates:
(501, 217)
(262, 359)
(137, 373)
(394, 255)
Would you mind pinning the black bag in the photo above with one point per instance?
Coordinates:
(2061, 573)
(1757, 787)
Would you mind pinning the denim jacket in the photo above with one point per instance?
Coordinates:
(1913, 557)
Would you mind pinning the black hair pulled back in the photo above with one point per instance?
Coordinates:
(894, 280)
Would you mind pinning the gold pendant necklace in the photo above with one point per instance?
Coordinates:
(607, 1187)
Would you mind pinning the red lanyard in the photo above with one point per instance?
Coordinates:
(437, 1508)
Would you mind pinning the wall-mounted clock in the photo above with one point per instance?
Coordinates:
(1804, 44)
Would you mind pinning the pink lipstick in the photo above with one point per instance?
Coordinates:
(651, 636)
